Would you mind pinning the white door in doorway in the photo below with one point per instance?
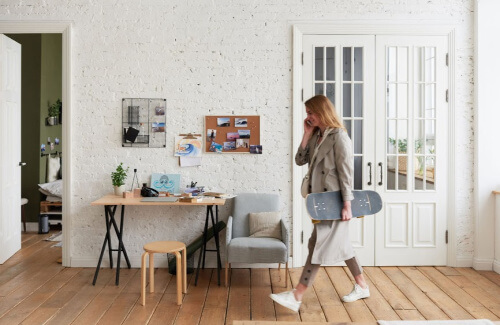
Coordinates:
(10, 147)
(411, 150)
(390, 92)
(341, 67)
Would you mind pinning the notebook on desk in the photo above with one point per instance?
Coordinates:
(159, 199)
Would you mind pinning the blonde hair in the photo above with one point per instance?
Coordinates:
(324, 109)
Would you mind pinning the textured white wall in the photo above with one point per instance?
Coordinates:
(210, 57)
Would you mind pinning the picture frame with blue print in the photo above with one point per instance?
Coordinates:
(166, 182)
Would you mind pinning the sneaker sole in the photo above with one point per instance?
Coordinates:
(363, 297)
(272, 296)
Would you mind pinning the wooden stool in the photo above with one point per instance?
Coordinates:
(175, 247)
(23, 213)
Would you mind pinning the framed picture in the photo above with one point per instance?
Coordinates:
(166, 182)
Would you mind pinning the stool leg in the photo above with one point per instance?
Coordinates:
(184, 270)
(143, 278)
(151, 272)
(179, 277)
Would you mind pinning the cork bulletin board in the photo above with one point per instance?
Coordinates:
(232, 134)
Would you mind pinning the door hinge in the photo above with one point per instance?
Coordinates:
(302, 58)
(446, 237)
(447, 59)
(447, 95)
(302, 95)
(302, 237)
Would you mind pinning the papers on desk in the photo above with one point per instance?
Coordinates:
(219, 195)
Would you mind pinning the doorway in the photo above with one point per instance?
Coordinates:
(385, 88)
(64, 29)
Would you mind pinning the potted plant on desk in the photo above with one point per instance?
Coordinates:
(118, 178)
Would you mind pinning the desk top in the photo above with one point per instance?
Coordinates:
(111, 199)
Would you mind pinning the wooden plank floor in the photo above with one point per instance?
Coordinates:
(35, 289)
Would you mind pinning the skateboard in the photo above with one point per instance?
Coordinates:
(328, 205)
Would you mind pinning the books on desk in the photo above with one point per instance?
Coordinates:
(219, 195)
(196, 199)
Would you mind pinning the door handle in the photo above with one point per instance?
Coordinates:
(370, 173)
(22, 164)
(381, 174)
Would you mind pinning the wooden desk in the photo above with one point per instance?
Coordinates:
(111, 202)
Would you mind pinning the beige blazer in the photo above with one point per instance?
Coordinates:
(332, 170)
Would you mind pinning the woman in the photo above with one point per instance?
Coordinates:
(327, 149)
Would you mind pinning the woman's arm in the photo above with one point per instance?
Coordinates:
(344, 162)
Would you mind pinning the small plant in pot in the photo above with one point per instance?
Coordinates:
(54, 111)
(118, 179)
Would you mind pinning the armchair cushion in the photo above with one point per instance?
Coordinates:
(265, 224)
(257, 250)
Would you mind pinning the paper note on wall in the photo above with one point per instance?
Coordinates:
(189, 161)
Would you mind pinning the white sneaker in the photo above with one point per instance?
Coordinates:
(286, 299)
(357, 293)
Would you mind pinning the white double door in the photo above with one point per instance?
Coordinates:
(390, 92)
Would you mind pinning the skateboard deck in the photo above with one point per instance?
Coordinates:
(328, 205)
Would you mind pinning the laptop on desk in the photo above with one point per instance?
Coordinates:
(159, 199)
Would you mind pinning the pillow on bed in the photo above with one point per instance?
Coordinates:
(52, 188)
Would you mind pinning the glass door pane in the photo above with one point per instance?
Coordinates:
(352, 105)
(397, 122)
(324, 71)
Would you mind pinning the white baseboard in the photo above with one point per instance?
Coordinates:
(464, 261)
(31, 226)
(483, 264)
(496, 266)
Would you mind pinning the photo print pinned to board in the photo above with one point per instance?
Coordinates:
(231, 145)
(240, 122)
(211, 134)
(158, 127)
(256, 149)
(242, 143)
(215, 147)
(244, 134)
(223, 122)
(233, 135)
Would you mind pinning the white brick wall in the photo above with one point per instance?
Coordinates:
(210, 57)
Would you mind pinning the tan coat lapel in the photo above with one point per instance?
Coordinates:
(326, 146)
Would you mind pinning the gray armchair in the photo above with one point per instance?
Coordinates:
(240, 248)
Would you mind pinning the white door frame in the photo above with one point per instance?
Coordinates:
(64, 28)
(416, 28)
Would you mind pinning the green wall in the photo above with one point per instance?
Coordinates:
(50, 91)
(41, 73)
